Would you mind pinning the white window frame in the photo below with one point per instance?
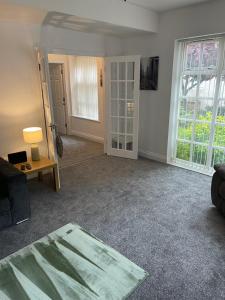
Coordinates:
(174, 107)
(79, 116)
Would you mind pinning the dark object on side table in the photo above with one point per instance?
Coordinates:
(218, 188)
(14, 201)
(18, 157)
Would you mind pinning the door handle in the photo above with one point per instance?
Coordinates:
(53, 127)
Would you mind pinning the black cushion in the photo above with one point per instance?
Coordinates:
(14, 201)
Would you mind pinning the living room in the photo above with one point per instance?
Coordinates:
(148, 198)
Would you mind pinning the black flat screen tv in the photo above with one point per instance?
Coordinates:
(149, 73)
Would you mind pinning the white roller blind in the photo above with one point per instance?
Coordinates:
(84, 83)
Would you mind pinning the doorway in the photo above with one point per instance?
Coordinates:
(113, 122)
(77, 85)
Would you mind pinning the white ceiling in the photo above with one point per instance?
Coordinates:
(164, 5)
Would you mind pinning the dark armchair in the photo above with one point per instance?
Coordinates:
(14, 201)
(218, 188)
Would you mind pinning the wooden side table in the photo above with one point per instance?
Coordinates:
(41, 165)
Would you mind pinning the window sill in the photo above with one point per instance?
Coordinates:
(86, 119)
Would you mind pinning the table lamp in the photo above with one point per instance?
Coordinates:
(33, 135)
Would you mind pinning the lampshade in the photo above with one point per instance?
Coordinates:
(32, 135)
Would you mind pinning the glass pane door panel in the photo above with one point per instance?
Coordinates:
(202, 132)
(121, 125)
(189, 86)
(183, 151)
(115, 138)
(130, 71)
(114, 108)
(222, 88)
(122, 142)
(114, 124)
(218, 156)
(130, 90)
(130, 123)
(114, 71)
(130, 109)
(207, 86)
(193, 55)
(114, 90)
(122, 71)
(122, 90)
(185, 130)
(199, 155)
(187, 109)
(122, 108)
(219, 137)
(129, 142)
(210, 54)
(204, 110)
(221, 112)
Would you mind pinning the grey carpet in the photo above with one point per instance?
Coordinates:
(158, 216)
(76, 150)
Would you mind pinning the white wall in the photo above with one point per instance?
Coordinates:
(155, 105)
(113, 46)
(20, 98)
(63, 41)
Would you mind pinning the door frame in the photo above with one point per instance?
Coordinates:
(62, 63)
(46, 93)
(66, 52)
(173, 103)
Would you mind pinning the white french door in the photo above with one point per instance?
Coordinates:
(199, 141)
(122, 105)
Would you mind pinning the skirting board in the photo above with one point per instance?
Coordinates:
(87, 136)
(152, 156)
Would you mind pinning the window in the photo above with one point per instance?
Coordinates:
(84, 81)
(200, 105)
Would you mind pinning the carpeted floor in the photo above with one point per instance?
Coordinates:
(158, 216)
(76, 150)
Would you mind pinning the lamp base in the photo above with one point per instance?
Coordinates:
(35, 155)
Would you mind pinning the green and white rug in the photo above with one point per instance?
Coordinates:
(68, 264)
